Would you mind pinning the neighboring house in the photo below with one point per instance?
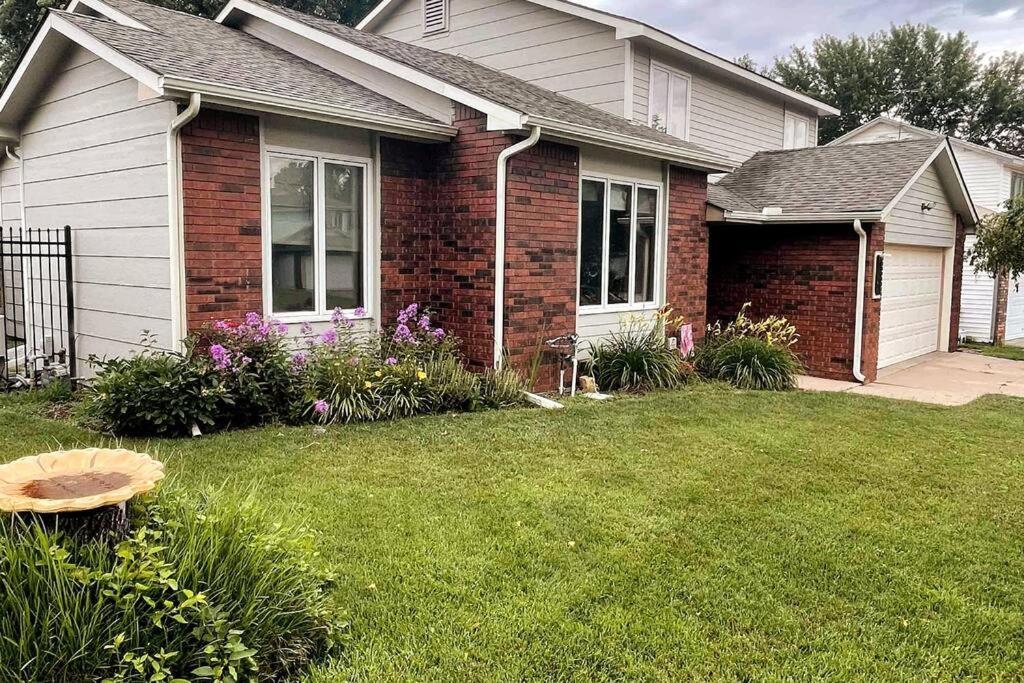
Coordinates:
(616, 64)
(860, 246)
(278, 162)
(992, 309)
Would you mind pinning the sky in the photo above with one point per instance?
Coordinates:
(765, 29)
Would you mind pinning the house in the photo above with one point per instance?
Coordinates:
(991, 309)
(277, 162)
(860, 246)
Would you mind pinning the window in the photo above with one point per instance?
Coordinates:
(796, 132)
(318, 228)
(876, 284)
(618, 243)
(435, 16)
(670, 101)
(1016, 184)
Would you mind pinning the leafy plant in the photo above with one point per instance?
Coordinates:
(207, 587)
(999, 249)
(774, 329)
(637, 357)
(502, 388)
(451, 386)
(748, 363)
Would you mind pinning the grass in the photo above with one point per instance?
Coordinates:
(694, 534)
(995, 351)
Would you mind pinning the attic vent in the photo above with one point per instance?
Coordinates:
(435, 16)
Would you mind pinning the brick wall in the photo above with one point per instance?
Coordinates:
(806, 273)
(958, 279)
(687, 264)
(1002, 299)
(540, 254)
(220, 157)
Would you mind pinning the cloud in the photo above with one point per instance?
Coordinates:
(732, 28)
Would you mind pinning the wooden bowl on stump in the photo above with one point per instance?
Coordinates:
(82, 492)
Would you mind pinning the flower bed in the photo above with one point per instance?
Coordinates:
(236, 374)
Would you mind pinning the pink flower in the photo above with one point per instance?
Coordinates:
(391, 360)
(221, 325)
(321, 407)
(328, 337)
(439, 334)
(221, 356)
(403, 334)
(253, 318)
(282, 329)
(360, 312)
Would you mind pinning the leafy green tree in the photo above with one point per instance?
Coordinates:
(19, 18)
(917, 73)
(999, 249)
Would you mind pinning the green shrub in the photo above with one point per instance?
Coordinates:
(154, 394)
(775, 330)
(502, 388)
(204, 586)
(451, 386)
(636, 358)
(748, 363)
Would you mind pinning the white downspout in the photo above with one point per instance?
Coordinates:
(175, 221)
(499, 240)
(858, 328)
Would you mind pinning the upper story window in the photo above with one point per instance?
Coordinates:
(1016, 184)
(670, 101)
(319, 227)
(435, 16)
(797, 130)
(619, 238)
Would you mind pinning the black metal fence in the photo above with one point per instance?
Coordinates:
(37, 306)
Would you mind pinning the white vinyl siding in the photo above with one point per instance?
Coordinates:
(1015, 310)
(596, 327)
(11, 304)
(984, 177)
(94, 159)
(910, 224)
(976, 303)
(572, 56)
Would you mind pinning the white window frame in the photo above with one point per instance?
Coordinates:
(443, 28)
(319, 159)
(790, 116)
(659, 241)
(878, 275)
(650, 97)
(1014, 175)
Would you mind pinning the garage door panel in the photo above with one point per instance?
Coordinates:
(911, 304)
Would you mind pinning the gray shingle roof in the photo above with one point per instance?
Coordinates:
(189, 47)
(840, 179)
(490, 84)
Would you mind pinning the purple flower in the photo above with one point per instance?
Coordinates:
(424, 323)
(328, 337)
(306, 329)
(408, 313)
(337, 316)
(321, 407)
(221, 325)
(299, 359)
(282, 329)
(403, 334)
(221, 356)
(439, 334)
(391, 360)
(360, 312)
(252, 318)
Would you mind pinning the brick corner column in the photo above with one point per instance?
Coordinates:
(686, 274)
(958, 280)
(220, 168)
(872, 306)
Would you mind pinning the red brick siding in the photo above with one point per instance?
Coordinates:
(1002, 299)
(687, 263)
(872, 306)
(220, 156)
(809, 275)
(958, 279)
(540, 254)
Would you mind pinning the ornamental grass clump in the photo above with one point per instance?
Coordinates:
(637, 357)
(750, 354)
(207, 587)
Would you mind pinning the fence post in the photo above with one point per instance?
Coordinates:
(70, 284)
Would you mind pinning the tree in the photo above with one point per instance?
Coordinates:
(999, 249)
(19, 18)
(917, 73)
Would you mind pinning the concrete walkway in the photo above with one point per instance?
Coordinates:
(950, 379)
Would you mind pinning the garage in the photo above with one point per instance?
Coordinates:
(1015, 310)
(911, 316)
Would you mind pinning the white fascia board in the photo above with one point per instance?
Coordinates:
(371, 19)
(105, 10)
(504, 118)
(751, 217)
(54, 23)
(215, 93)
(704, 162)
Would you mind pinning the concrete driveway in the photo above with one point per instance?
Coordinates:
(950, 379)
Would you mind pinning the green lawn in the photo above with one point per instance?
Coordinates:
(1000, 351)
(688, 535)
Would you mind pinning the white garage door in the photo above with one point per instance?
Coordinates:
(911, 303)
(1015, 310)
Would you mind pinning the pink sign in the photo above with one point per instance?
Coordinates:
(686, 340)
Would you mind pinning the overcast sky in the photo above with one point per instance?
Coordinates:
(765, 29)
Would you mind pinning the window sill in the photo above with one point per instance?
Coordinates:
(619, 308)
(299, 318)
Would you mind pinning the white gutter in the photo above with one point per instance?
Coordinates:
(759, 217)
(175, 221)
(858, 327)
(499, 239)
